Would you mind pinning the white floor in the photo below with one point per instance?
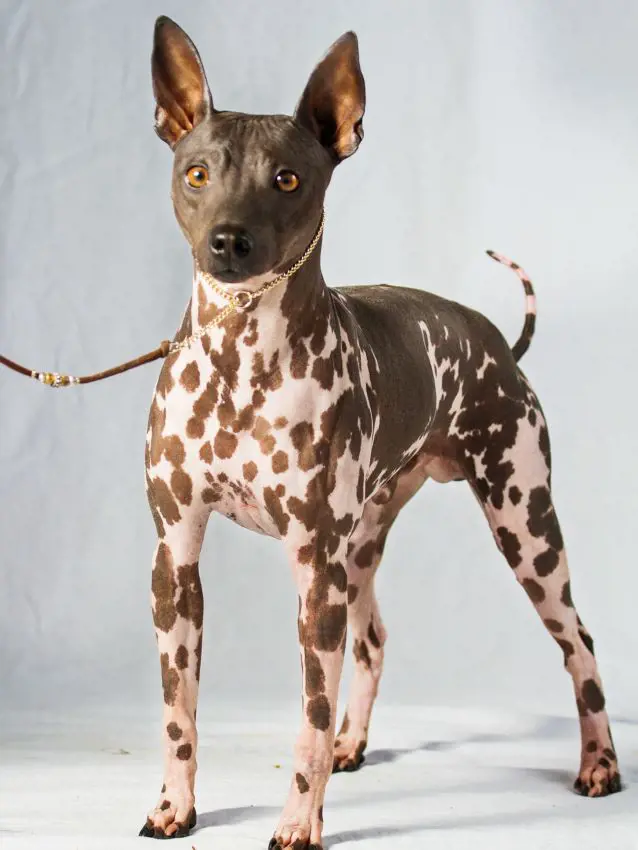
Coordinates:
(458, 780)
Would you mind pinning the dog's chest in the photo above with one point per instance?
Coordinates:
(230, 428)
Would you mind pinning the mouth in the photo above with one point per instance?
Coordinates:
(229, 275)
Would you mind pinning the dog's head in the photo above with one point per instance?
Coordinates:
(248, 190)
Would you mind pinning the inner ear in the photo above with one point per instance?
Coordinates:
(333, 102)
(181, 91)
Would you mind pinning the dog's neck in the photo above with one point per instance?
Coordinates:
(290, 312)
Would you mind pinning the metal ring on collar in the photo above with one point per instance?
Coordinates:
(243, 299)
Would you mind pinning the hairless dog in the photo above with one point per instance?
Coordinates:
(313, 415)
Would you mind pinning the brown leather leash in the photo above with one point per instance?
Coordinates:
(236, 301)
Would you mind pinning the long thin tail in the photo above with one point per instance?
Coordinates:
(522, 343)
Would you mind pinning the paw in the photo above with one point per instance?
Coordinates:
(348, 755)
(298, 834)
(598, 780)
(297, 844)
(167, 822)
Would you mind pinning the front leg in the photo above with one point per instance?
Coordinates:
(178, 610)
(323, 611)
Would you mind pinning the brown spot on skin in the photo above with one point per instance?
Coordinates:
(543, 444)
(323, 372)
(190, 604)
(314, 675)
(279, 462)
(165, 804)
(305, 554)
(610, 754)
(165, 382)
(163, 586)
(353, 592)
(182, 486)
(582, 709)
(299, 360)
(184, 752)
(318, 712)
(251, 335)
(206, 453)
(203, 406)
(181, 657)
(302, 784)
(534, 590)
(361, 654)
(373, 637)
(321, 813)
(280, 422)
(211, 494)
(173, 731)
(170, 679)
(603, 762)
(345, 725)
(515, 495)
(198, 656)
(567, 647)
(592, 696)
(189, 378)
(331, 627)
(542, 520)
(174, 450)
(163, 789)
(250, 470)
(261, 433)
(272, 502)
(157, 519)
(510, 546)
(206, 310)
(266, 379)
(591, 747)
(226, 408)
(566, 595)
(225, 444)
(553, 625)
(165, 501)
(365, 556)
(587, 640)
(245, 419)
(546, 562)
(302, 437)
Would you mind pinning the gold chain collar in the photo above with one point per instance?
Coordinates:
(242, 299)
(236, 301)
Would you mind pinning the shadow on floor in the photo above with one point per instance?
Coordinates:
(546, 728)
(239, 814)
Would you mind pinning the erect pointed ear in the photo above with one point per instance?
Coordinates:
(334, 99)
(179, 83)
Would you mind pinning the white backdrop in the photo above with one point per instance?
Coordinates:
(511, 126)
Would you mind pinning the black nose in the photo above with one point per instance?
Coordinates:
(230, 242)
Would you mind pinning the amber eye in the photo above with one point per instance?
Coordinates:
(287, 181)
(197, 176)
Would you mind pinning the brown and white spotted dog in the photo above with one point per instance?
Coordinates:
(313, 415)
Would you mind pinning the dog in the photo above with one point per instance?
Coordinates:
(313, 415)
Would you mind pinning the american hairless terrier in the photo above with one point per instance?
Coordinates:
(313, 415)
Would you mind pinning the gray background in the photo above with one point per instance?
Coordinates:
(505, 125)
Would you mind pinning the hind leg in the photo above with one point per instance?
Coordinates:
(521, 514)
(364, 619)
